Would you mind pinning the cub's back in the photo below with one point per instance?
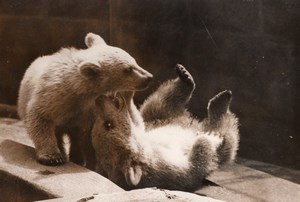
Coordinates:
(32, 80)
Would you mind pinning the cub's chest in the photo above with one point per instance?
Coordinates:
(76, 113)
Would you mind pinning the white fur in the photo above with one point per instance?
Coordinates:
(60, 89)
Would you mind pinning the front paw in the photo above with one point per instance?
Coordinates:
(52, 159)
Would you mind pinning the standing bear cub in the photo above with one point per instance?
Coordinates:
(175, 151)
(58, 92)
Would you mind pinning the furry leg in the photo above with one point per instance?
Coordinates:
(220, 119)
(42, 133)
(217, 107)
(170, 99)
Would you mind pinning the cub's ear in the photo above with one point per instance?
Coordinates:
(89, 70)
(133, 175)
(92, 39)
(119, 101)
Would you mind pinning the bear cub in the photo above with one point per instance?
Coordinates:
(173, 150)
(57, 95)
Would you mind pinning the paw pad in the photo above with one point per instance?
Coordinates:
(184, 75)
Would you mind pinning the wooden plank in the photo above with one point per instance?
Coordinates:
(277, 171)
(253, 185)
(218, 192)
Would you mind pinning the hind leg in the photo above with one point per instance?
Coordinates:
(76, 155)
(222, 120)
(217, 107)
(81, 151)
(170, 99)
(203, 156)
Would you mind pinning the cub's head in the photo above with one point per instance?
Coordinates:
(110, 68)
(113, 126)
(112, 120)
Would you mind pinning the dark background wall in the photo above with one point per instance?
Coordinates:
(248, 46)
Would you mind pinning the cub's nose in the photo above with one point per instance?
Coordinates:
(146, 81)
(149, 77)
(146, 75)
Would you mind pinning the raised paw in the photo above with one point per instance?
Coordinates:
(52, 159)
(219, 104)
(184, 75)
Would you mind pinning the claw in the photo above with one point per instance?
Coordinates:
(52, 159)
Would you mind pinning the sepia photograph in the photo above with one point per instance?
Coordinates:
(149, 100)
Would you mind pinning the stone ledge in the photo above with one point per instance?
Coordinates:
(69, 180)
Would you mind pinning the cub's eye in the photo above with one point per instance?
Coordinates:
(128, 70)
(108, 125)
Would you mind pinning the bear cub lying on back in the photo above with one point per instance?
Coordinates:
(174, 151)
